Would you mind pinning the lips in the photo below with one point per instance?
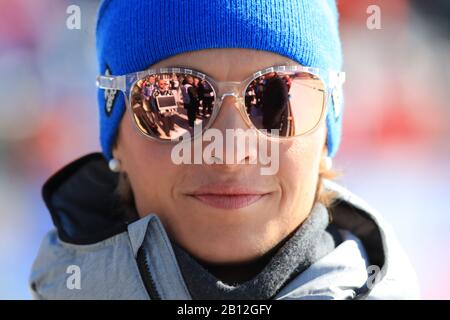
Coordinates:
(228, 197)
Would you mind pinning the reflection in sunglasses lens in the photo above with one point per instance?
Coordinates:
(285, 104)
(167, 106)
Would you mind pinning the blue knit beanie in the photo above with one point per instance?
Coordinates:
(305, 31)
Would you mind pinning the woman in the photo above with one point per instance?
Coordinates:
(136, 225)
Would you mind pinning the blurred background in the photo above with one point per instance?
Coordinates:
(395, 151)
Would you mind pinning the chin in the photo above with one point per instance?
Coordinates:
(226, 236)
(217, 247)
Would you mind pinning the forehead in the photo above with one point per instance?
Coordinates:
(226, 64)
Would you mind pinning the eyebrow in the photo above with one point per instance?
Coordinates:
(246, 76)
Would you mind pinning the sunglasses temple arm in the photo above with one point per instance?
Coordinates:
(111, 82)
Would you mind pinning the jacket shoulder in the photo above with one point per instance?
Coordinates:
(391, 275)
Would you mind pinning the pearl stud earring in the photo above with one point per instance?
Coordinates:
(114, 165)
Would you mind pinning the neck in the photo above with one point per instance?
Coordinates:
(237, 273)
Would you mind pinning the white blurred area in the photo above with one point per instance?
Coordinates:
(47, 118)
(395, 151)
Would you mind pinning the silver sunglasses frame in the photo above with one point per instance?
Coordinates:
(223, 89)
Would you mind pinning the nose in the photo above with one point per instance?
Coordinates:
(230, 116)
(237, 148)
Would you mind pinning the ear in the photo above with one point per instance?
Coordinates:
(116, 146)
(325, 145)
(324, 158)
(325, 151)
(116, 153)
(117, 150)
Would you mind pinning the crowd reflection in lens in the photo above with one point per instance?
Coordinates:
(285, 104)
(267, 102)
(169, 105)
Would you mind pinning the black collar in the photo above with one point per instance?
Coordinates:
(82, 202)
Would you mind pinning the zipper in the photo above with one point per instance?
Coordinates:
(147, 278)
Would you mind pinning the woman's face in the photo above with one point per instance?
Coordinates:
(203, 207)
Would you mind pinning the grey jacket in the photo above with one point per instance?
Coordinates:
(95, 254)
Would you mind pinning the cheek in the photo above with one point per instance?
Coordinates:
(299, 167)
(149, 169)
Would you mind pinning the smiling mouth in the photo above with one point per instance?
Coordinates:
(228, 197)
(228, 201)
